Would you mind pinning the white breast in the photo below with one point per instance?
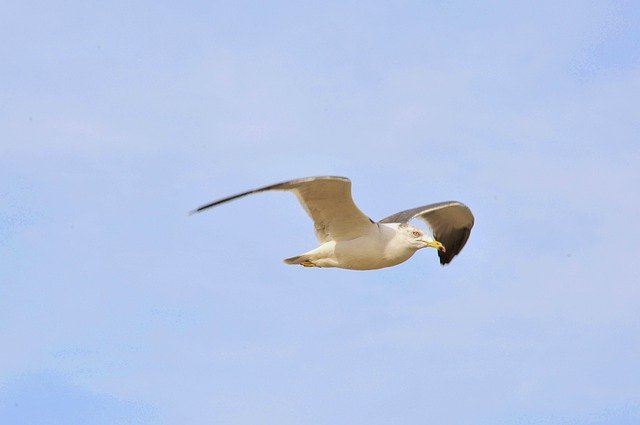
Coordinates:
(381, 248)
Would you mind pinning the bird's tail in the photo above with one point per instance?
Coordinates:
(303, 260)
(296, 260)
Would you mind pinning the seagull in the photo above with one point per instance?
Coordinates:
(351, 240)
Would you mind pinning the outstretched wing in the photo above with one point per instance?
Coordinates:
(328, 202)
(451, 223)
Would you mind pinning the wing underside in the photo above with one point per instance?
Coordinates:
(451, 223)
(327, 200)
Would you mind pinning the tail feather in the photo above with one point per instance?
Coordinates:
(295, 260)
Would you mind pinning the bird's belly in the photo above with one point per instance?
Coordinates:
(367, 254)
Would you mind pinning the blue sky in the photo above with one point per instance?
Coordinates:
(116, 119)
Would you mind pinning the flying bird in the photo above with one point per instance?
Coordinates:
(351, 240)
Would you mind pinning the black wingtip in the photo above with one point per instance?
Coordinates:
(198, 210)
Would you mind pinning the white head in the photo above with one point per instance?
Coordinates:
(417, 238)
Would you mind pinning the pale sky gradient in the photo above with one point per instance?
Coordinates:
(117, 118)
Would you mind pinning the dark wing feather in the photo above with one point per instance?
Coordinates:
(451, 223)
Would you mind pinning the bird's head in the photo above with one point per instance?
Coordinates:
(418, 239)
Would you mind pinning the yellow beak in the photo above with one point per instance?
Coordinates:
(435, 244)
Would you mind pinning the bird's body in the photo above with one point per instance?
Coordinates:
(351, 240)
(383, 247)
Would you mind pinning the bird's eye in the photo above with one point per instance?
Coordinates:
(416, 233)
